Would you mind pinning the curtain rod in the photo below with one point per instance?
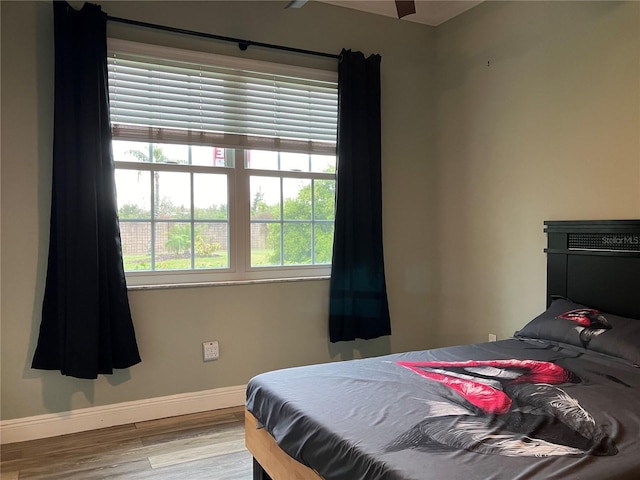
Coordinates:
(242, 44)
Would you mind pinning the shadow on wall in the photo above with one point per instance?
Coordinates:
(360, 348)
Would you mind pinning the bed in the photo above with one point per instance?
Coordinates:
(561, 399)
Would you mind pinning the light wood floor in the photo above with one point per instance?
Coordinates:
(206, 445)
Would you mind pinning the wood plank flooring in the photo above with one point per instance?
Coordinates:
(207, 445)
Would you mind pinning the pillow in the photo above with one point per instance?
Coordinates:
(622, 340)
(547, 325)
(581, 326)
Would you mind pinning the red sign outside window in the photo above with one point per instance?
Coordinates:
(218, 157)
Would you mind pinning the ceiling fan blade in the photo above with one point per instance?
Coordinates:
(405, 7)
(296, 4)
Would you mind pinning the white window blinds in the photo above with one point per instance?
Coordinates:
(175, 96)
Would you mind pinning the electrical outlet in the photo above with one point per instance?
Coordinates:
(210, 351)
(493, 337)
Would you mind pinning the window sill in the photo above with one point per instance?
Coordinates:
(135, 288)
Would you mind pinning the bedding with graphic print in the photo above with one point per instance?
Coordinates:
(513, 409)
(582, 326)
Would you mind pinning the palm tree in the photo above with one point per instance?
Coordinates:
(158, 156)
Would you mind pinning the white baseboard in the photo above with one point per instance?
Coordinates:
(54, 424)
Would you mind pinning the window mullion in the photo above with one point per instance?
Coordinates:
(312, 224)
(281, 217)
(192, 217)
(242, 215)
(154, 216)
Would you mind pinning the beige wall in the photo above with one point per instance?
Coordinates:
(259, 327)
(475, 157)
(538, 119)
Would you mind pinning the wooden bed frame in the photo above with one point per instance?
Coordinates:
(269, 460)
(596, 263)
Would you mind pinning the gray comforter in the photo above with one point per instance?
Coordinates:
(512, 409)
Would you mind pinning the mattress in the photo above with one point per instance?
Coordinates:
(519, 408)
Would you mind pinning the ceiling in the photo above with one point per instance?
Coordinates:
(428, 12)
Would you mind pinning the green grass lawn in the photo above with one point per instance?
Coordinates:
(137, 263)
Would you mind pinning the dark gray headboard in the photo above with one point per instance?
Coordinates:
(595, 263)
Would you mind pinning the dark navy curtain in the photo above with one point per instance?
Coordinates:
(358, 305)
(86, 326)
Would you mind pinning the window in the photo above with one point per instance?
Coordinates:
(225, 168)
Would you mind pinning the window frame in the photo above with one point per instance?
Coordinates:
(239, 228)
(246, 208)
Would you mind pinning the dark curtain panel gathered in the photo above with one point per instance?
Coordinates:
(86, 326)
(358, 305)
